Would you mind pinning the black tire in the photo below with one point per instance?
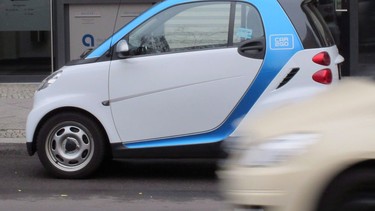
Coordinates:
(352, 191)
(71, 145)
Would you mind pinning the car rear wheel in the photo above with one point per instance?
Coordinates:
(71, 145)
(354, 190)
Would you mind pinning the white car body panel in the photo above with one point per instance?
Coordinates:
(300, 87)
(151, 98)
(81, 87)
(224, 90)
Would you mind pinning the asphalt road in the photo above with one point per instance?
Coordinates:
(120, 185)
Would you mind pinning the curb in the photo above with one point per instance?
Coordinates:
(12, 140)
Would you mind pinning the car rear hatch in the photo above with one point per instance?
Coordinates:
(310, 26)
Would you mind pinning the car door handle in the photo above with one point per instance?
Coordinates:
(254, 48)
(251, 48)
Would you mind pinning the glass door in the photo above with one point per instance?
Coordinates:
(335, 13)
(366, 23)
(25, 39)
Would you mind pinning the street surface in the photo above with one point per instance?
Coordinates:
(120, 185)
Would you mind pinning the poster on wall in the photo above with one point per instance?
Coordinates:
(90, 25)
(24, 15)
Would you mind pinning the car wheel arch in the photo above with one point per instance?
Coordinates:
(363, 165)
(70, 110)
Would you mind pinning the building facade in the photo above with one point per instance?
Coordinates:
(40, 36)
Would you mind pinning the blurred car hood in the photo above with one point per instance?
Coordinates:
(351, 101)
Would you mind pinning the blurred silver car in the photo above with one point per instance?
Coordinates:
(318, 155)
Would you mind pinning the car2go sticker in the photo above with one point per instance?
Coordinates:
(282, 41)
(174, 82)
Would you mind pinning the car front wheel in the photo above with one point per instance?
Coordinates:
(71, 145)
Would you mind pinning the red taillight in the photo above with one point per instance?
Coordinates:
(323, 76)
(322, 58)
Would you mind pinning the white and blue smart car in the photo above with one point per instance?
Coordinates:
(177, 80)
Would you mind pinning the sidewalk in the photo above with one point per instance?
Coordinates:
(15, 103)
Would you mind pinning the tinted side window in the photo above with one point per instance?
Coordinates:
(307, 21)
(248, 24)
(203, 26)
(196, 26)
(181, 28)
(320, 27)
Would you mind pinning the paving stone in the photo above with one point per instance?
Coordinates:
(15, 103)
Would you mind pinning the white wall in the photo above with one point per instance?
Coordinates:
(98, 21)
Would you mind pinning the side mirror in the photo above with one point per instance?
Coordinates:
(122, 49)
(84, 54)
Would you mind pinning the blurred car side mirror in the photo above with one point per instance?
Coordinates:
(122, 49)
